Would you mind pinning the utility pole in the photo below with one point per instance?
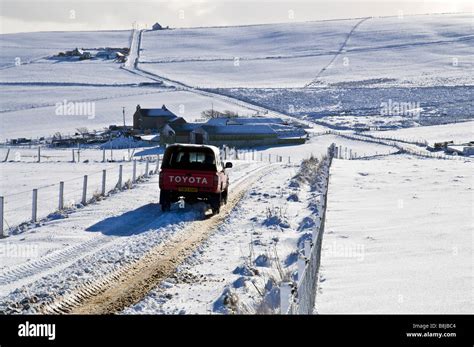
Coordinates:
(123, 113)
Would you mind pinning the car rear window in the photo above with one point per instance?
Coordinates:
(190, 159)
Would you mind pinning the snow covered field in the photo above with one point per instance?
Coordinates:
(43, 121)
(398, 234)
(383, 63)
(457, 132)
(350, 107)
(398, 237)
(20, 178)
(410, 51)
(318, 144)
(29, 47)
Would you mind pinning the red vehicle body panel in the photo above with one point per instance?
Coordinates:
(175, 179)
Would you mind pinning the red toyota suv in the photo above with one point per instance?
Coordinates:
(193, 172)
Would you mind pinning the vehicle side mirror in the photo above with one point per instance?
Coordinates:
(228, 165)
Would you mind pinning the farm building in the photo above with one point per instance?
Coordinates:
(157, 26)
(152, 119)
(464, 149)
(243, 121)
(233, 131)
(179, 132)
(236, 135)
(237, 132)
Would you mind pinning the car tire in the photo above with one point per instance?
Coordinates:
(216, 203)
(224, 196)
(165, 201)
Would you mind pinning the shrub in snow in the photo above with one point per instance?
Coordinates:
(291, 258)
(293, 197)
(276, 217)
(262, 260)
(239, 282)
(294, 184)
(307, 223)
(244, 270)
(227, 302)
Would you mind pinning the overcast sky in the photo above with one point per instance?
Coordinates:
(53, 15)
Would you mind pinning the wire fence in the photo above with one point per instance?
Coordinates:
(299, 297)
(44, 154)
(21, 209)
(417, 149)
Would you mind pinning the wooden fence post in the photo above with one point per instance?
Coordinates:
(103, 154)
(1, 217)
(39, 154)
(84, 191)
(104, 176)
(119, 183)
(307, 248)
(301, 266)
(157, 169)
(8, 153)
(134, 175)
(34, 207)
(73, 156)
(61, 196)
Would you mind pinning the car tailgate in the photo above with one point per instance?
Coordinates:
(176, 179)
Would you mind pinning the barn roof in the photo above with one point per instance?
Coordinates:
(238, 129)
(184, 128)
(242, 121)
(156, 112)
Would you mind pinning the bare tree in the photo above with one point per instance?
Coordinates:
(82, 131)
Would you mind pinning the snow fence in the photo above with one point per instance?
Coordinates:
(299, 297)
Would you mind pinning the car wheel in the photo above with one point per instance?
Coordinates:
(165, 201)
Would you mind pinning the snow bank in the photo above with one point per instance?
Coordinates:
(398, 237)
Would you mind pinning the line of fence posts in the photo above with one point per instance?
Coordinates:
(251, 154)
(299, 297)
(119, 185)
(34, 203)
(1, 216)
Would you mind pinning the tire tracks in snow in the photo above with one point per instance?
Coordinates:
(56, 261)
(132, 282)
(338, 53)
